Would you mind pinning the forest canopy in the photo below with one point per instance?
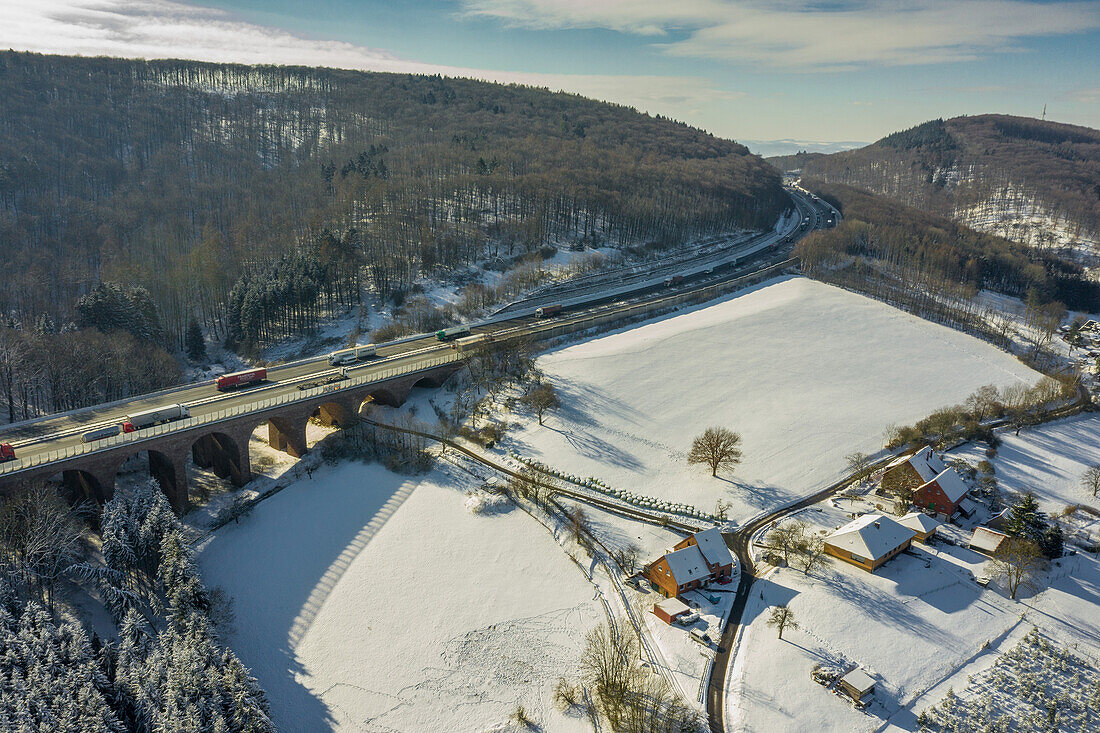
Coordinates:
(156, 193)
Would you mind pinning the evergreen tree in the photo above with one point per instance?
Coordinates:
(196, 344)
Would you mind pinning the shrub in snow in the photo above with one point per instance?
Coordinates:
(478, 502)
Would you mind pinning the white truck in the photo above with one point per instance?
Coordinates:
(147, 418)
(352, 355)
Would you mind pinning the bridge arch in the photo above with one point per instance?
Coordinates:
(81, 485)
(169, 471)
(220, 453)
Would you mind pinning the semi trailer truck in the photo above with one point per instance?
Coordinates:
(148, 418)
(236, 380)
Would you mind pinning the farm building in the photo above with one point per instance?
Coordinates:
(942, 494)
(857, 684)
(869, 541)
(912, 470)
(691, 564)
(670, 609)
(986, 540)
(924, 525)
(715, 552)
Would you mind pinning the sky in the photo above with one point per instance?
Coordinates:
(751, 70)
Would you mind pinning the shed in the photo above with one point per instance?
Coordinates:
(670, 609)
(857, 684)
(986, 541)
(924, 525)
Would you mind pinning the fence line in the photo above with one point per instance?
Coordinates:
(580, 323)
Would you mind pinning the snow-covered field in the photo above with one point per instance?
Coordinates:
(370, 601)
(806, 372)
(1047, 460)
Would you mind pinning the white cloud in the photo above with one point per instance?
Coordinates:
(799, 35)
(167, 29)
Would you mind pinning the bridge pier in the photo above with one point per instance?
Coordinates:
(171, 473)
(288, 435)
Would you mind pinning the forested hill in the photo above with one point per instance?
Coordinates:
(299, 185)
(1031, 181)
(180, 175)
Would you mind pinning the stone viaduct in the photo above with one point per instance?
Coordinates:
(222, 446)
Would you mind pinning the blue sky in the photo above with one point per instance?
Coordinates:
(746, 69)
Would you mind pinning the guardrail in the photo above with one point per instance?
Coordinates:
(548, 329)
(139, 436)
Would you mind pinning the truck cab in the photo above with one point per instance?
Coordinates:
(7, 452)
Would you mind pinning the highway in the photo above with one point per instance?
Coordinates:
(58, 432)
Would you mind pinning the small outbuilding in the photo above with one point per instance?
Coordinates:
(924, 525)
(858, 684)
(986, 540)
(869, 541)
(670, 609)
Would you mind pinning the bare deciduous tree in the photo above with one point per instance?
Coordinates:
(42, 537)
(717, 448)
(1017, 561)
(541, 398)
(782, 618)
(859, 464)
(1091, 479)
(811, 554)
(787, 538)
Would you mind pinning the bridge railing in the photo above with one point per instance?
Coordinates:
(258, 406)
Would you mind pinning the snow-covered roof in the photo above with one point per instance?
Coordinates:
(987, 540)
(673, 607)
(919, 522)
(968, 506)
(951, 484)
(871, 536)
(859, 681)
(926, 463)
(713, 547)
(687, 565)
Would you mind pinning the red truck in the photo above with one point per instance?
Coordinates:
(674, 280)
(240, 379)
(548, 310)
(7, 452)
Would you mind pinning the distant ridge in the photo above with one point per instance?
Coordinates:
(1032, 181)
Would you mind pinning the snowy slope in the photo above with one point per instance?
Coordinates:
(806, 372)
(368, 601)
(1047, 460)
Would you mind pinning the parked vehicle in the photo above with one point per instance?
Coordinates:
(548, 310)
(688, 619)
(7, 452)
(147, 418)
(352, 355)
(674, 280)
(240, 379)
(699, 636)
(450, 334)
(109, 431)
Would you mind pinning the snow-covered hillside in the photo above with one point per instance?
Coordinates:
(806, 372)
(370, 601)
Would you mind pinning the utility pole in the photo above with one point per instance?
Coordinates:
(1044, 111)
